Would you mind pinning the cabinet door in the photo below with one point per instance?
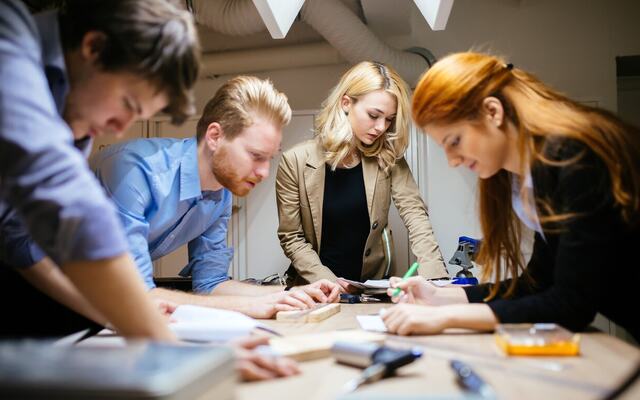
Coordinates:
(137, 130)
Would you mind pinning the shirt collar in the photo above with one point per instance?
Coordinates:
(190, 175)
(53, 55)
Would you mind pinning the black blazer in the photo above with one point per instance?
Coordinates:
(583, 265)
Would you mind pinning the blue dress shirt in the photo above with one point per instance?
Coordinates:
(155, 185)
(46, 188)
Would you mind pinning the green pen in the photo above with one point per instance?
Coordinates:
(406, 276)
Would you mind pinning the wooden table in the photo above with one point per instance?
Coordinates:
(603, 363)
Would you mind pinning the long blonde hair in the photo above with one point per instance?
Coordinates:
(453, 90)
(332, 127)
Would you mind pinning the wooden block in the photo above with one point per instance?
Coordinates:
(322, 313)
(319, 313)
(312, 346)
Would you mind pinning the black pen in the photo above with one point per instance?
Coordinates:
(471, 381)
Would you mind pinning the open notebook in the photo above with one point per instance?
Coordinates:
(205, 324)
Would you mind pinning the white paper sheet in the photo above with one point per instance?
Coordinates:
(369, 284)
(205, 324)
(371, 323)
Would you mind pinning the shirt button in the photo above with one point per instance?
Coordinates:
(366, 253)
(375, 225)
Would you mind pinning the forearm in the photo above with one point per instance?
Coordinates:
(243, 304)
(113, 286)
(235, 288)
(449, 296)
(47, 277)
(477, 317)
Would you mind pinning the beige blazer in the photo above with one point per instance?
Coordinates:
(299, 194)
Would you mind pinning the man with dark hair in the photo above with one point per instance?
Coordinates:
(100, 65)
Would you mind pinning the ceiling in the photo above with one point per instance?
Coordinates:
(379, 17)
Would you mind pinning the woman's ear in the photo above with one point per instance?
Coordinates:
(494, 111)
(346, 103)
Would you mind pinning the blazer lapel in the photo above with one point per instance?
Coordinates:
(370, 173)
(314, 185)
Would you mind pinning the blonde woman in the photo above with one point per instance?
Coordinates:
(334, 191)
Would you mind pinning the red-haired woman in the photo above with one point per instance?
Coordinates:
(567, 171)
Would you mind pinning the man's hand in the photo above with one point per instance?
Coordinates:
(256, 367)
(267, 306)
(411, 319)
(165, 307)
(322, 291)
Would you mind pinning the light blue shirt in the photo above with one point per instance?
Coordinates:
(155, 185)
(47, 192)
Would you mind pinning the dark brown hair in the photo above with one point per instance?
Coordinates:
(154, 39)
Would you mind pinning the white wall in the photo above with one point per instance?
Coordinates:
(306, 88)
(570, 44)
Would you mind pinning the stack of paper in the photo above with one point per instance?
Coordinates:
(370, 286)
(205, 324)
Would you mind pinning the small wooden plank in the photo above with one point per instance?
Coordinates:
(323, 313)
(317, 314)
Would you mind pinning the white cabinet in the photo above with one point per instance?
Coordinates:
(138, 130)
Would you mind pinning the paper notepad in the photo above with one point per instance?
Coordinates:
(371, 323)
(205, 324)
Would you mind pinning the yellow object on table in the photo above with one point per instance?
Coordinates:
(537, 339)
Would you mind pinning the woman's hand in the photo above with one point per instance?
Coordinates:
(252, 366)
(412, 319)
(415, 290)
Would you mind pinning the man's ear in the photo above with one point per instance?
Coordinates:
(493, 110)
(345, 103)
(213, 136)
(92, 45)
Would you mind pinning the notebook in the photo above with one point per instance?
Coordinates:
(206, 324)
(141, 370)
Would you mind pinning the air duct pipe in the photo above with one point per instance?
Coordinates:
(343, 30)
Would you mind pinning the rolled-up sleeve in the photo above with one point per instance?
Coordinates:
(41, 174)
(209, 256)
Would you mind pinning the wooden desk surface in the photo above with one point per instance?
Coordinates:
(604, 361)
